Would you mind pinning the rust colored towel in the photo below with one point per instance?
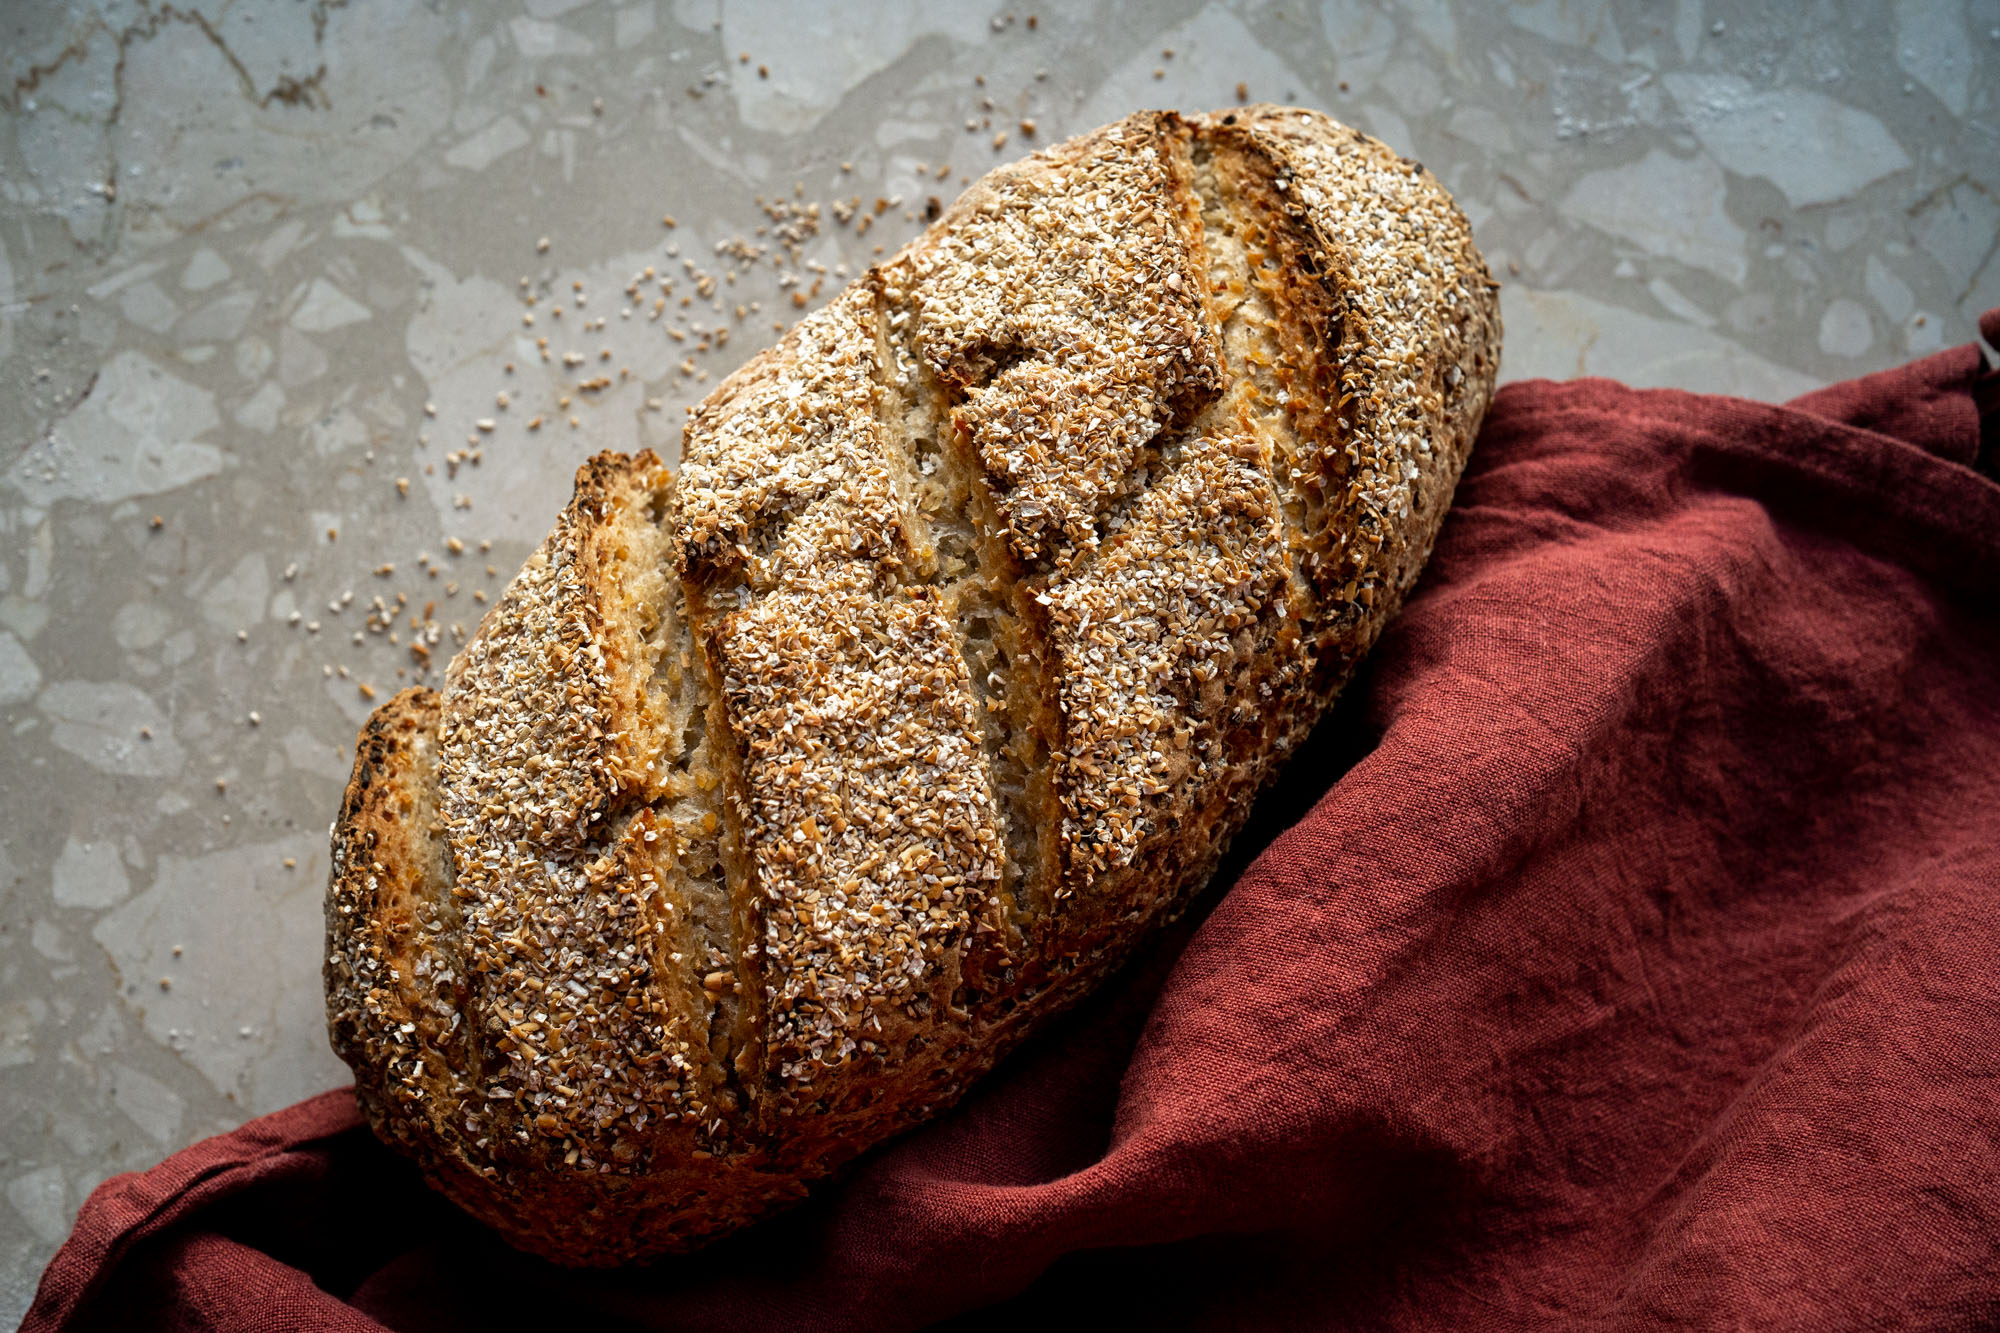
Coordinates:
(1626, 951)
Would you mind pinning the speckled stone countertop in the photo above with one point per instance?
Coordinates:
(263, 266)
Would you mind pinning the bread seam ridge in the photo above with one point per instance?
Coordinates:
(699, 935)
(1379, 551)
(741, 1021)
(745, 1025)
(1231, 413)
(359, 866)
(1297, 463)
(963, 555)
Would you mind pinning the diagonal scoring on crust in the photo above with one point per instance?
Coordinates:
(870, 834)
(1392, 351)
(395, 973)
(1061, 300)
(774, 803)
(576, 915)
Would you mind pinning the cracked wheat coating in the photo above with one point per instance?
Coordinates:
(776, 801)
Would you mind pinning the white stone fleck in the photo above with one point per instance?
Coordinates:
(149, 1103)
(100, 722)
(1558, 334)
(19, 676)
(25, 618)
(7, 308)
(1844, 329)
(1687, 27)
(536, 38)
(49, 942)
(1921, 339)
(1933, 47)
(337, 433)
(41, 1197)
(1214, 49)
(178, 648)
(259, 412)
(1387, 126)
(1957, 227)
(1984, 292)
(41, 561)
(283, 239)
(498, 139)
(1583, 23)
(1363, 39)
(105, 289)
(1889, 293)
(1432, 21)
(204, 269)
(1845, 229)
(300, 360)
(88, 874)
(1814, 149)
(1670, 296)
(309, 754)
(253, 356)
(363, 217)
(451, 342)
(1668, 206)
(633, 24)
(221, 319)
(479, 61)
(147, 306)
(326, 308)
(19, 1017)
(1477, 125)
(267, 978)
(135, 434)
(140, 625)
(237, 598)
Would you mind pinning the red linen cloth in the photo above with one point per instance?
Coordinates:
(1642, 967)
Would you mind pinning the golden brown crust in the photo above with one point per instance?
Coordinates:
(1062, 297)
(773, 804)
(1370, 249)
(395, 990)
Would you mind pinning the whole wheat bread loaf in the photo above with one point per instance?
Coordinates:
(779, 798)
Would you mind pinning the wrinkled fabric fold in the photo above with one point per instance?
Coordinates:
(1621, 952)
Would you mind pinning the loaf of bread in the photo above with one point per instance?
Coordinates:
(784, 793)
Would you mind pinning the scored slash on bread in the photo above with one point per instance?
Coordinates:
(776, 800)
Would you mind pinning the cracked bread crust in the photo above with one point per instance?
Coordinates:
(776, 801)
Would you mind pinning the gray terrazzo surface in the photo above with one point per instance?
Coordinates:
(243, 246)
